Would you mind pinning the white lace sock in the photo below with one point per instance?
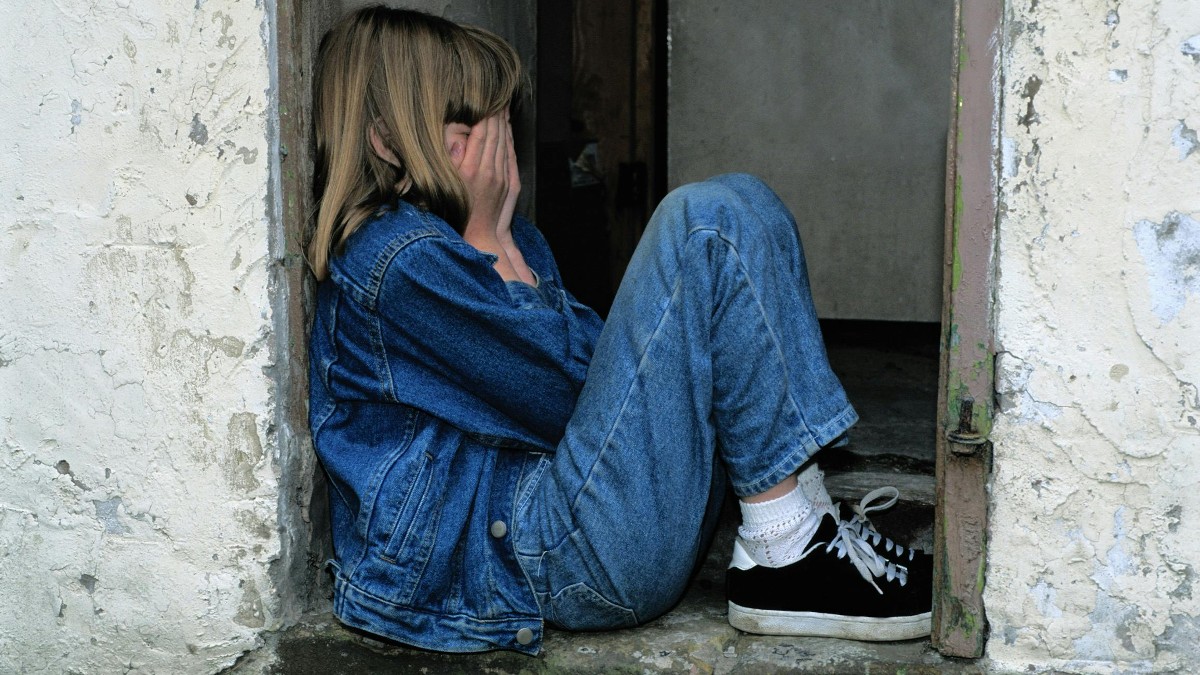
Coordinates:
(812, 482)
(776, 532)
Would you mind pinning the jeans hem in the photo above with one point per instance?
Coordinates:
(792, 463)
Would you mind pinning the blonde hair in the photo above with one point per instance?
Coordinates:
(408, 74)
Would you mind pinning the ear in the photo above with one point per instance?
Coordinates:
(380, 148)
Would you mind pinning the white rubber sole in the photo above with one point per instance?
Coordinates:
(814, 624)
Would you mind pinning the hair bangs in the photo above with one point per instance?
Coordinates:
(491, 78)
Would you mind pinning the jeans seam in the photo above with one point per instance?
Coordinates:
(770, 330)
(626, 395)
(805, 447)
(591, 587)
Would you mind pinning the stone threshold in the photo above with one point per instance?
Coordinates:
(693, 638)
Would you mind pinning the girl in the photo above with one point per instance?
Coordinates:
(498, 458)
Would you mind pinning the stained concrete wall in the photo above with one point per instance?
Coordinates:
(138, 505)
(843, 108)
(1095, 506)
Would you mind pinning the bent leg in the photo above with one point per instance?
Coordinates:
(712, 341)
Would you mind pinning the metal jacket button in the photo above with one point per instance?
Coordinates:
(524, 636)
(499, 529)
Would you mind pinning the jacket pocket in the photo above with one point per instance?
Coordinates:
(404, 528)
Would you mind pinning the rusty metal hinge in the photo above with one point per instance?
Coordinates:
(965, 440)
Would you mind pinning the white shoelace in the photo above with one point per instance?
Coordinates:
(862, 527)
(868, 563)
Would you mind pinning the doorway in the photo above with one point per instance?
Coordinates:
(841, 108)
(878, 131)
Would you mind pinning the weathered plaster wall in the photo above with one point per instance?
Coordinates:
(1096, 503)
(137, 509)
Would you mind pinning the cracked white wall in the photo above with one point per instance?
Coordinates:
(137, 509)
(1095, 495)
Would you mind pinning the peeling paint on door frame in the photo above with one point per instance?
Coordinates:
(302, 499)
(965, 405)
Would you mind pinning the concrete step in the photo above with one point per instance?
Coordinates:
(693, 638)
(850, 486)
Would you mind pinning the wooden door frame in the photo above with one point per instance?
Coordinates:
(303, 500)
(966, 380)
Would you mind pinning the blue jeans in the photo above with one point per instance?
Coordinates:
(711, 367)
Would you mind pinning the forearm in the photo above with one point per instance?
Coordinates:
(510, 264)
(451, 323)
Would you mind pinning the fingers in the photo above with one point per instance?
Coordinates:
(514, 178)
(504, 224)
(503, 144)
(477, 153)
(486, 168)
(490, 142)
(488, 148)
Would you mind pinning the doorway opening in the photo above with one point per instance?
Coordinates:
(843, 109)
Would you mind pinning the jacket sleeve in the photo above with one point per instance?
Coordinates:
(500, 359)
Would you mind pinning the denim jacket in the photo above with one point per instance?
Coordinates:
(436, 388)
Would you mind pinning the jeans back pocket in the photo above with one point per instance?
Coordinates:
(580, 607)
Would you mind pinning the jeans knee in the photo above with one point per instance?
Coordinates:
(689, 208)
(703, 195)
(745, 188)
(752, 189)
(742, 182)
(718, 203)
(737, 207)
(745, 197)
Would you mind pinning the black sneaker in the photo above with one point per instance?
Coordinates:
(841, 588)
